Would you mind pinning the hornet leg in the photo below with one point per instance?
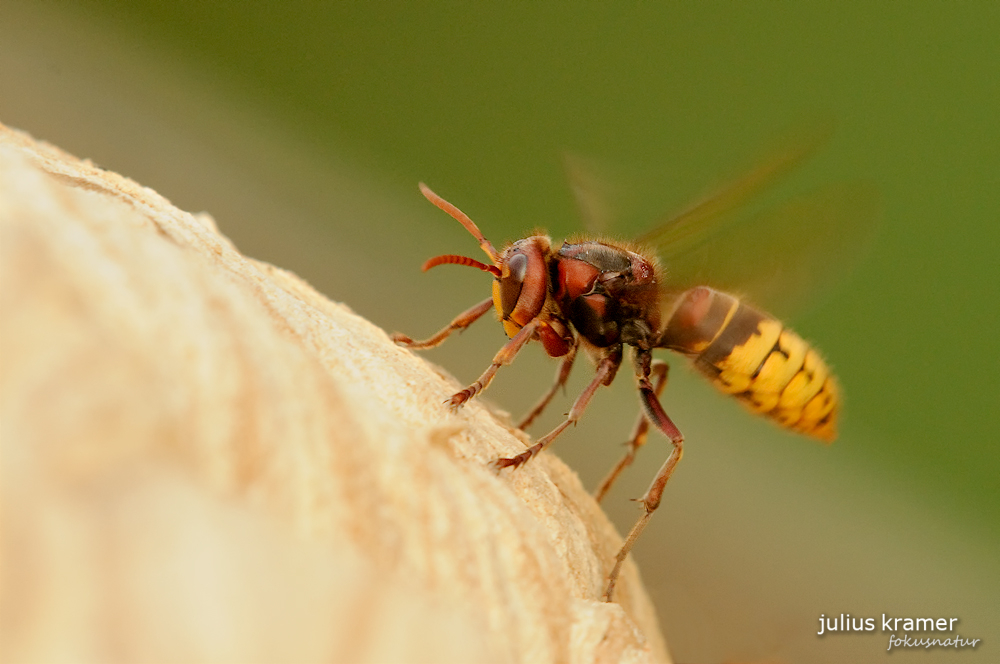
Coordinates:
(562, 374)
(606, 370)
(461, 321)
(651, 500)
(640, 432)
(503, 357)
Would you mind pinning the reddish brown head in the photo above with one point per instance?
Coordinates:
(520, 291)
(521, 283)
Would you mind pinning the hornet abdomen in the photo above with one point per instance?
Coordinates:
(755, 358)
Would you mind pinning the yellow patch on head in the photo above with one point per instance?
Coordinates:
(509, 327)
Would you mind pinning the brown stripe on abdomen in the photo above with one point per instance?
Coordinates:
(699, 317)
(772, 371)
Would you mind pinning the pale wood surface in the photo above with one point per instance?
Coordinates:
(204, 459)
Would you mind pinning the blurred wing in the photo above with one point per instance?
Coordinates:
(777, 259)
(593, 192)
(694, 225)
(784, 256)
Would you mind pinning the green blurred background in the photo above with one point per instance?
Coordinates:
(304, 127)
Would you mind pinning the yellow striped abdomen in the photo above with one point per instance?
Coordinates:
(755, 358)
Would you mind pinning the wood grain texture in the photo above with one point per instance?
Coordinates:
(204, 459)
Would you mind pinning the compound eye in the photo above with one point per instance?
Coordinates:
(511, 282)
(520, 291)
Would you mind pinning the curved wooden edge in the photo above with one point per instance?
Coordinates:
(206, 459)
